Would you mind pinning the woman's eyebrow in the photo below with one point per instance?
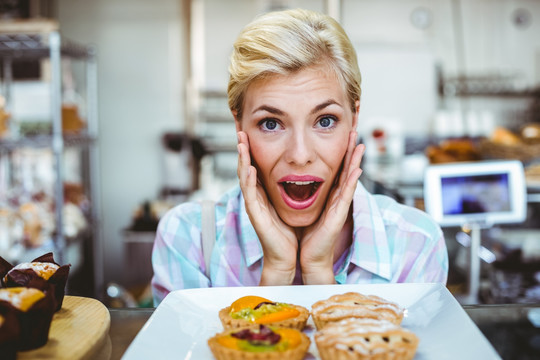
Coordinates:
(277, 111)
(324, 105)
(269, 109)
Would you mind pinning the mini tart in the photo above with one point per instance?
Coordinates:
(365, 339)
(354, 305)
(249, 310)
(34, 310)
(233, 344)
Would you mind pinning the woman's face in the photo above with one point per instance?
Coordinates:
(298, 128)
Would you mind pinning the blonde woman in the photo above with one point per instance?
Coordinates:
(299, 214)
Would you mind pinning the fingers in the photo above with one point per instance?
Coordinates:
(346, 161)
(347, 191)
(354, 169)
(247, 174)
(356, 159)
(244, 158)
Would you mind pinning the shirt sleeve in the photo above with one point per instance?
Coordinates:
(177, 258)
(428, 259)
(436, 261)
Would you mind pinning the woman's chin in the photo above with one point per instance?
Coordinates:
(299, 220)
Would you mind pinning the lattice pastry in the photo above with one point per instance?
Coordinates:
(365, 339)
(354, 305)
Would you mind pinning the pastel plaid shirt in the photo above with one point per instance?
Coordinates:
(392, 243)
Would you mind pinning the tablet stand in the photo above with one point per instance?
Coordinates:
(477, 194)
(473, 283)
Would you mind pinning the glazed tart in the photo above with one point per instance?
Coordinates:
(354, 305)
(34, 310)
(42, 273)
(365, 339)
(250, 310)
(259, 342)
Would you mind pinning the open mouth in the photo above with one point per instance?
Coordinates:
(300, 190)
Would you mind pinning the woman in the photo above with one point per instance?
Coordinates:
(299, 215)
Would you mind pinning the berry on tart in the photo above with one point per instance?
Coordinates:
(259, 342)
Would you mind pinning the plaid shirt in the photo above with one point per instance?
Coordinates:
(392, 243)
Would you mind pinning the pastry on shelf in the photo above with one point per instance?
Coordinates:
(453, 150)
(4, 118)
(530, 133)
(365, 339)
(250, 310)
(504, 136)
(259, 342)
(354, 305)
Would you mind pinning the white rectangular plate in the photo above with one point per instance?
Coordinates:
(181, 325)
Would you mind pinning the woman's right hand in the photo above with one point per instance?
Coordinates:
(278, 240)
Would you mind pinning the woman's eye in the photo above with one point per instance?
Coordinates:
(269, 125)
(326, 122)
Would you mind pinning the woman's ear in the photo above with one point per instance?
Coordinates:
(236, 120)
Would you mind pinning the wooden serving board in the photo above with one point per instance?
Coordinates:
(79, 330)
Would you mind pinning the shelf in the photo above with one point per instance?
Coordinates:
(42, 141)
(489, 85)
(36, 46)
(41, 41)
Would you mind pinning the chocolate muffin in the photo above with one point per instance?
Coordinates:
(34, 310)
(42, 273)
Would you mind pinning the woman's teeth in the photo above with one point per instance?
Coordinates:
(300, 182)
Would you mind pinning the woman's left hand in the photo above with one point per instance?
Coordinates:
(318, 240)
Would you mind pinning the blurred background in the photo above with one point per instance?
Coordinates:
(117, 109)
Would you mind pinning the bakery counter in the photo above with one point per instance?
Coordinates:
(513, 330)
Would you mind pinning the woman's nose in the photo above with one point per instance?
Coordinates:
(300, 149)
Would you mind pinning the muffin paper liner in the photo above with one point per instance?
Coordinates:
(10, 333)
(34, 323)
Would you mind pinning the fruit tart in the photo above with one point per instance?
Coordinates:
(365, 339)
(250, 310)
(353, 304)
(258, 342)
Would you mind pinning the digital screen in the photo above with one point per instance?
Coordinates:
(476, 194)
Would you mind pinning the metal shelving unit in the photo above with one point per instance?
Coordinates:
(53, 47)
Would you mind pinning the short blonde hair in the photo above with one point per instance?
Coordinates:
(284, 42)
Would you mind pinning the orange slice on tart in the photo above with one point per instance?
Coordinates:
(249, 310)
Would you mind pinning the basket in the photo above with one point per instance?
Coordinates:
(523, 151)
